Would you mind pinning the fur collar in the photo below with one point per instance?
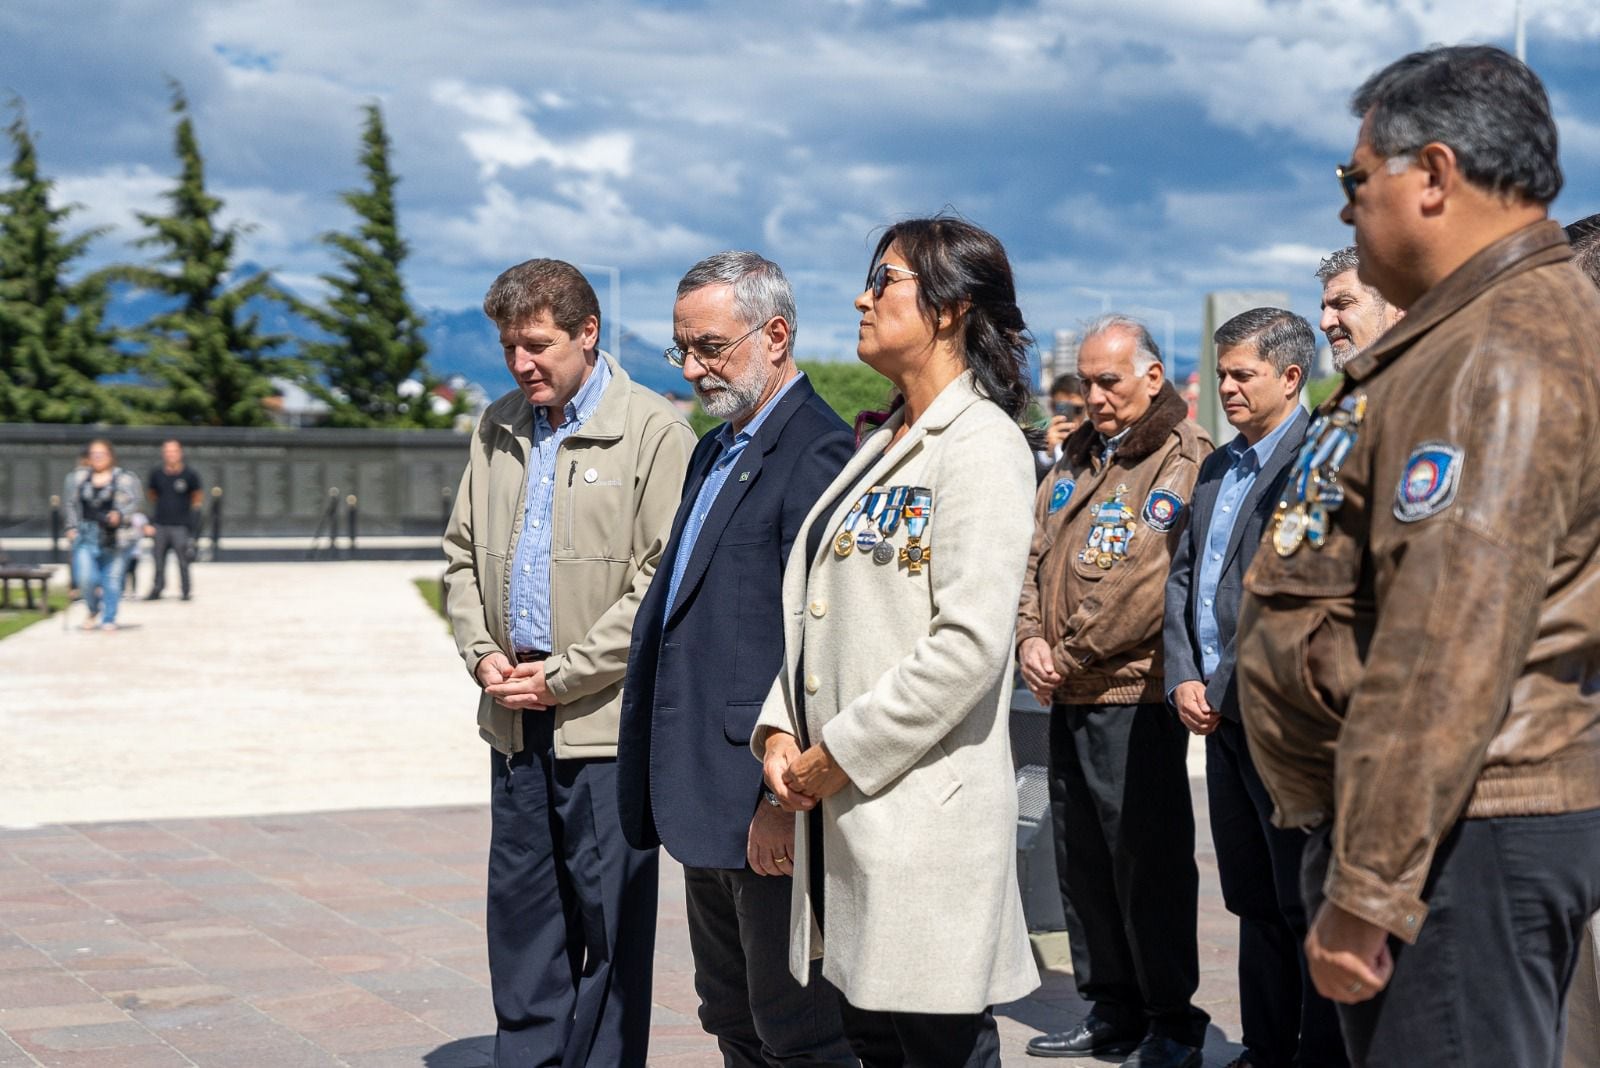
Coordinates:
(1167, 410)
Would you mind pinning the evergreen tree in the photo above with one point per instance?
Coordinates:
(53, 345)
(375, 336)
(207, 351)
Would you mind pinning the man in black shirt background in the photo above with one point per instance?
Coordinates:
(174, 488)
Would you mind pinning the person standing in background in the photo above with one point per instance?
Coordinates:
(175, 489)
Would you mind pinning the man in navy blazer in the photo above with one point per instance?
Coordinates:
(707, 643)
(1263, 356)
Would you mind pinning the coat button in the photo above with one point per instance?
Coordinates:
(813, 684)
(819, 609)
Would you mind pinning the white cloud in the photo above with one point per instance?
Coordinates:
(505, 137)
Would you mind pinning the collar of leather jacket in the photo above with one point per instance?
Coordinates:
(1167, 410)
(1534, 245)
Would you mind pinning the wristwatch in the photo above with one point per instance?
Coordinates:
(772, 798)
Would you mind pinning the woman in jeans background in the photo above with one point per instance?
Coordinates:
(99, 512)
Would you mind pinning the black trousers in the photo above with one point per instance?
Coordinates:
(739, 935)
(571, 919)
(922, 1039)
(1286, 1022)
(1124, 823)
(174, 539)
(1484, 983)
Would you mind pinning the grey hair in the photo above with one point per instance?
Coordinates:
(1585, 237)
(1481, 101)
(1281, 338)
(760, 290)
(1337, 263)
(1145, 349)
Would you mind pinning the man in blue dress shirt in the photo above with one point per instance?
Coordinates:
(1263, 356)
(707, 643)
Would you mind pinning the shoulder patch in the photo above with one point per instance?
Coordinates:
(1060, 494)
(1162, 509)
(1428, 483)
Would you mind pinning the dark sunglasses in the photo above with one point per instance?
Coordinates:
(1350, 178)
(879, 279)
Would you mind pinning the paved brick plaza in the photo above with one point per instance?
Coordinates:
(201, 936)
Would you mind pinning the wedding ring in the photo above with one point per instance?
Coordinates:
(779, 860)
(1353, 988)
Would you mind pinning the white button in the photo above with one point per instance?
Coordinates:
(523, 613)
(818, 609)
(813, 684)
(1214, 556)
(1211, 648)
(1207, 602)
(527, 569)
(590, 475)
(544, 482)
(535, 522)
(1227, 508)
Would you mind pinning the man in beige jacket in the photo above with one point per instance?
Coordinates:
(568, 495)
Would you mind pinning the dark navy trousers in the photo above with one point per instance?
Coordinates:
(1287, 1024)
(571, 912)
(1483, 985)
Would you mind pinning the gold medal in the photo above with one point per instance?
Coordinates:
(1104, 561)
(844, 544)
(1289, 528)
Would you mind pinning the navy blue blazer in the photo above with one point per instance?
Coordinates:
(696, 680)
(1182, 622)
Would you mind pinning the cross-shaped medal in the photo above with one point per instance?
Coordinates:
(914, 555)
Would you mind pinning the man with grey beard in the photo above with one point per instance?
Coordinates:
(708, 641)
(1354, 315)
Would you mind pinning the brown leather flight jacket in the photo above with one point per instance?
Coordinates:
(1095, 587)
(1438, 657)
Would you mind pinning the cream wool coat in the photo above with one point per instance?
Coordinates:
(908, 680)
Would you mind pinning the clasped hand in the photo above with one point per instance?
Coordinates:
(516, 686)
(800, 780)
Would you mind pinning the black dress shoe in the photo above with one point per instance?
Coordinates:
(1158, 1051)
(1090, 1038)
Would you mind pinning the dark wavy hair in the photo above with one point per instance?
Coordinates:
(958, 263)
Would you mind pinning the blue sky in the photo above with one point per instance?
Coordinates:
(1140, 152)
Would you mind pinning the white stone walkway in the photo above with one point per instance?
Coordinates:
(279, 688)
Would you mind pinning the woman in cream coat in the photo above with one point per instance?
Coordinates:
(890, 717)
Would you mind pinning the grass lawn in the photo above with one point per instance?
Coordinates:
(433, 594)
(15, 619)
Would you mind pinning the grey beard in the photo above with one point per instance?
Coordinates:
(737, 396)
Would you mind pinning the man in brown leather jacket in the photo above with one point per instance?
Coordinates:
(1107, 519)
(1419, 645)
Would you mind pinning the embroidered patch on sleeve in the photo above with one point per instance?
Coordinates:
(1428, 483)
(1162, 510)
(1060, 494)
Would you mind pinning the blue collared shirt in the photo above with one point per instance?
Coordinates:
(1231, 495)
(732, 445)
(530, 563)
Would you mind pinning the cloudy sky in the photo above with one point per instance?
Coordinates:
(1138, 152)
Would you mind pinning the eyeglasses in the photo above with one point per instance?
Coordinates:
(707, 352)
(1350, 178)
(879, 279)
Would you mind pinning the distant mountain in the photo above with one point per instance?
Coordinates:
(461, 341)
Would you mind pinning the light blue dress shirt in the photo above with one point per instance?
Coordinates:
(732, 445)
(1231, 495)
(530, 564)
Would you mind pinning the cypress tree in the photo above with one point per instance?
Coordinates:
(375, 335)
(207, 351)
(53, 345)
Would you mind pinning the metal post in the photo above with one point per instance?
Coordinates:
(350, 520)
(55, 528)
(444, 517)
(216, 522)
